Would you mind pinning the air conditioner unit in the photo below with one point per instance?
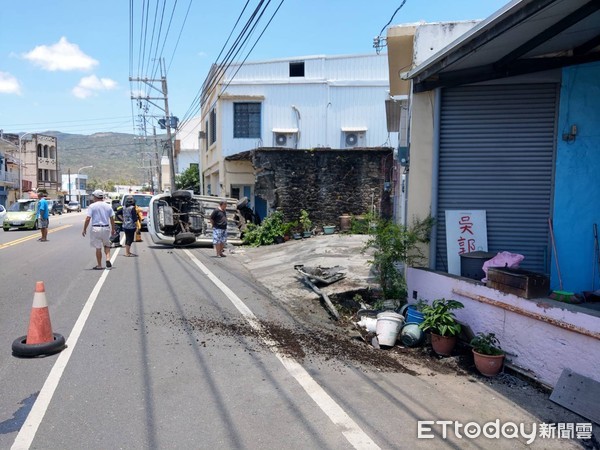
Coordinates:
(285, 138)
(353, 138)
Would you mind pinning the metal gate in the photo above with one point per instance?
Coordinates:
(497, 146)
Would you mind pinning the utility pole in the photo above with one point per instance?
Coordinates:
(158, 165)
(163, 90)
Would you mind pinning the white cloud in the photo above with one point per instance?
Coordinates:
(9, 84)
(60, 56)
(90, 86)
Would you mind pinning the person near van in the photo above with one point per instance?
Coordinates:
(218, 218)
(43, 216)
(118, 209)
(131, 219)
(138, 231)
(102, 218)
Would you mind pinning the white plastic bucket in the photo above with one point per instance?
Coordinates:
(388, 327)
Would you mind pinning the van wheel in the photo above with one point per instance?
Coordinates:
(185, 238)
(35, 225)
(181, 194)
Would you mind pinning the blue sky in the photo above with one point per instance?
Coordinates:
(65, 64)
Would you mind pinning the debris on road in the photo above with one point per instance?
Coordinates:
(324, 275)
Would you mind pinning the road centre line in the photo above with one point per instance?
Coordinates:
(31, 236)
(350, 429)
(34, 418)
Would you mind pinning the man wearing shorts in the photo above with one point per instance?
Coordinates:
(218, 219)
(102, 218)
(43, 216)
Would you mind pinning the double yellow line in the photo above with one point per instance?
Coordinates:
(31, 236)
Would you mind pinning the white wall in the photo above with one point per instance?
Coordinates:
(430, 38)
(540, 335)
(323, 110)
(336, 92)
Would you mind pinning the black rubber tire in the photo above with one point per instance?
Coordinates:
(35, 225)
(181, 194)
(183, 239)
(21, 348)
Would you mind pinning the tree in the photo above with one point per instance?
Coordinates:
(189, 179)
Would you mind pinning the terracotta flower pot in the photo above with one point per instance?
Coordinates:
(443, 345)
(488, 365)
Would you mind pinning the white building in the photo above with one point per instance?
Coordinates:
(75, 186)
(297, 103)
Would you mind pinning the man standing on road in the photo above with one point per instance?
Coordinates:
(218, 218)
(102, 217)
(43, 216)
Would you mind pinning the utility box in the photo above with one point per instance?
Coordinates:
(518, 282)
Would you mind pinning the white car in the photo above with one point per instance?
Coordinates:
(2, 214)
(183, 218)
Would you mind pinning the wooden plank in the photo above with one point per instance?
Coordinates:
(579, 394)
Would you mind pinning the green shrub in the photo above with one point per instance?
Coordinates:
(395, 244)
(271, 228)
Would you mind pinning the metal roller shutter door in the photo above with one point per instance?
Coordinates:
(497, 153)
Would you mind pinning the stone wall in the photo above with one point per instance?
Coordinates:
(325, 182)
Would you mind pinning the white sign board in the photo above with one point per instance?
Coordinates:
(466, 231)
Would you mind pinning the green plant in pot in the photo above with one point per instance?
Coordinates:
(440, 320)
(487, 354)
(305, 223)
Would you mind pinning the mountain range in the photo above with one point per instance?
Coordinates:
(116, 157)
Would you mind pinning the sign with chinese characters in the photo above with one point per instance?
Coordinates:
(466, 231)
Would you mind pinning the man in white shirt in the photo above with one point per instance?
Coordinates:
(102, 217)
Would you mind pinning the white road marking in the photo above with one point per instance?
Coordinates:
(350, 429)
(34, 418)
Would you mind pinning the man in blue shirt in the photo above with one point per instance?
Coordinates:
(43, 216)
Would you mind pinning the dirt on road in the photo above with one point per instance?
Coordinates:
(340, 342)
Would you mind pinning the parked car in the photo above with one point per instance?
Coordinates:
(21, 215)
(183, 218)
(73, 206)
(55, 207)
(2, 214)
(143, 202)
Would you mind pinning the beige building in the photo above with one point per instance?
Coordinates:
(40, 163)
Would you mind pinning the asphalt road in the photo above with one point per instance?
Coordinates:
(168, 350)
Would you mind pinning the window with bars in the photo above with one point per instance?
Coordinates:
(246, 120)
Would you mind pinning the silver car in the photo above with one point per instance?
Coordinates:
(183, 218)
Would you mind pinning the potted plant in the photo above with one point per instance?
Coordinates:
(487, 354)
(439, 319)
(287, 229)
(396, 246)
(305, 223)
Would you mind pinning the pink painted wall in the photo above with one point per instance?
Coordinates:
(535, 345)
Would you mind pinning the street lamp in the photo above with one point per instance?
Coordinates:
(79, 183)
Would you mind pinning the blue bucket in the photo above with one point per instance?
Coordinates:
(413, 316)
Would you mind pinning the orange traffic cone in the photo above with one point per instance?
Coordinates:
(40, 339)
